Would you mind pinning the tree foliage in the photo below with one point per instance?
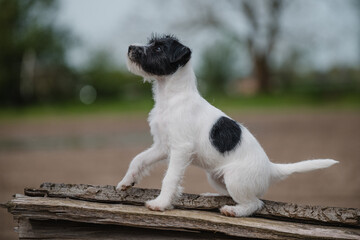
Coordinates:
(32, 53)
(217, 68)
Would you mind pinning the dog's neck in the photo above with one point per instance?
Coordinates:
(182, 82)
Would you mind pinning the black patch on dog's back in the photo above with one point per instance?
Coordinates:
(225, 134)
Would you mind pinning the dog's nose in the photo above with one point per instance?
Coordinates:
(131, 48)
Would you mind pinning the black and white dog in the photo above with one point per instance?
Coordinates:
(188, 130)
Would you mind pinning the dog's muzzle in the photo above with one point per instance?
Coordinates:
(135, 52)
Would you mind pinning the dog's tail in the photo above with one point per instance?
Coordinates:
(281, 171)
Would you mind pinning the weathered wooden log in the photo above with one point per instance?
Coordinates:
(54, 229)
(26, 208)
(137, 196)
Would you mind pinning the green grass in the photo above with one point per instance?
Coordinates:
(76, 109)
(287, 102)
(258, 103)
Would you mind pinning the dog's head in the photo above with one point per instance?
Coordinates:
(162, 56)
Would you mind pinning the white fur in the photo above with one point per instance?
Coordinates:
(180, 122)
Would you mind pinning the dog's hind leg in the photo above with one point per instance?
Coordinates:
(243, 209)
(217, 182)
(245, 186)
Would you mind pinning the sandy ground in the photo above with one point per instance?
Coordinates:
(97, 150)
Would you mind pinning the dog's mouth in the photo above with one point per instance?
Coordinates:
(134, 58)
(131, 55)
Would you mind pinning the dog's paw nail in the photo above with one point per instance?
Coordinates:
(227, 212)
(154, 206)
(123, 187)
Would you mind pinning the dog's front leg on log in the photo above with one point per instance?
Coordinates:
(179, 160)
(140, 166)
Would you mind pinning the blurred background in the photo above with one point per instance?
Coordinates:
(71, 112)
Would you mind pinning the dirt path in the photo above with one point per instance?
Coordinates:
(98, 149)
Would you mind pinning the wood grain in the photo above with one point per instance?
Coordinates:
(54, 229)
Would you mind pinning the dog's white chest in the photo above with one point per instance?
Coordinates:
(159, 124)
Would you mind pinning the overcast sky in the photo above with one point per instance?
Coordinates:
(327, 30)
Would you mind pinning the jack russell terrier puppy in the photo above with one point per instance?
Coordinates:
(188, 130)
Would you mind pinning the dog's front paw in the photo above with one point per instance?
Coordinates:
(123, 185)
(158, 205)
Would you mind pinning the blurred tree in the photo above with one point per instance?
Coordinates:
(286, 73)
(263, 18)
(356, 4)
(32, 53)
(217, 68)
(261, 52)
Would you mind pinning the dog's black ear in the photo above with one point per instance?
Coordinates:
(181, 53)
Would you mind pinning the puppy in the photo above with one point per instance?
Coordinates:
(188, 130)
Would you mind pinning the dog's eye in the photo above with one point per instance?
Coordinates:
(158, 49)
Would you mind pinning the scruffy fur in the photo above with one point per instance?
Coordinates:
(182, 125)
